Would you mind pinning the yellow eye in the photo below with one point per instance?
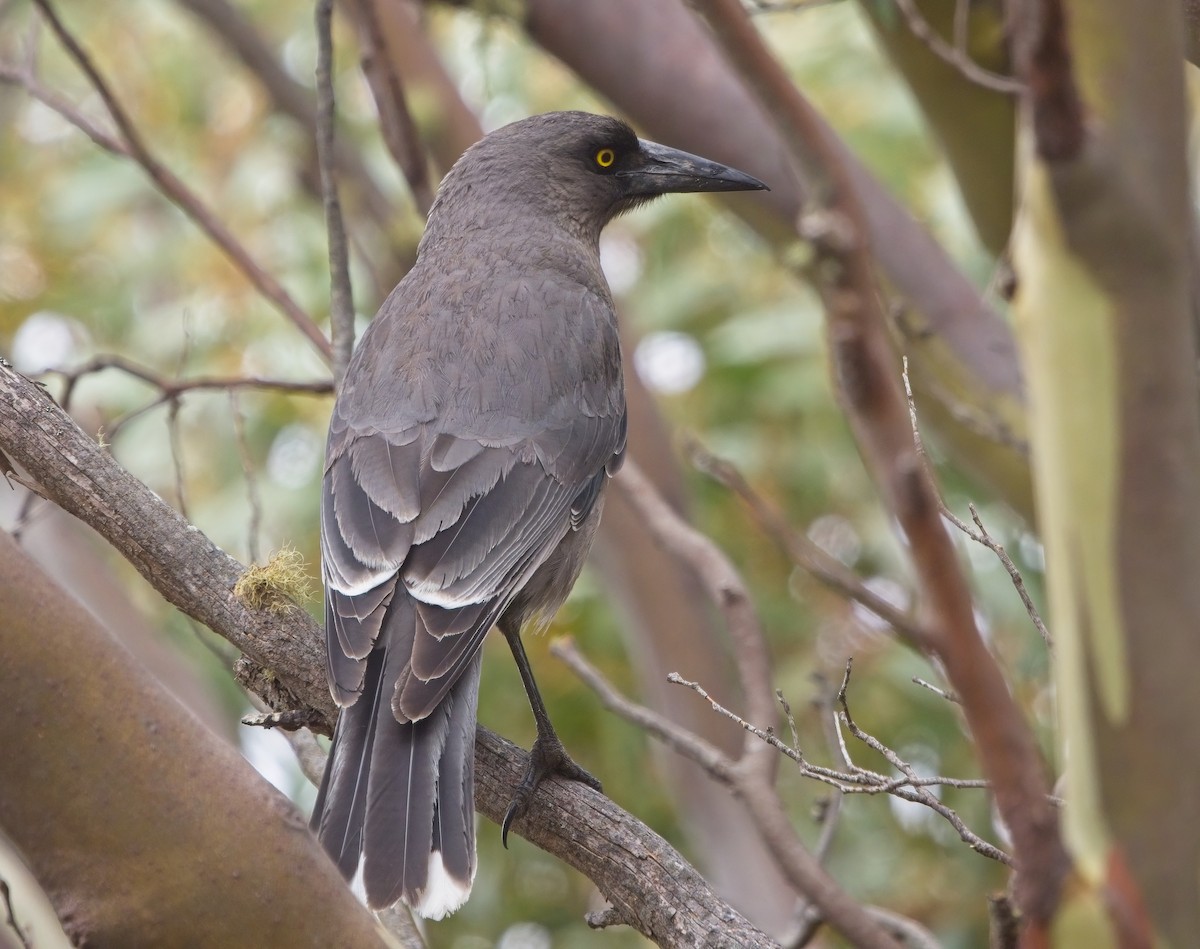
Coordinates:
(605, 157)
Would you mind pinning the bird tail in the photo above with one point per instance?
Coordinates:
(396, 806)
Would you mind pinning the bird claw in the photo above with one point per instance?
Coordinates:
(547, 757)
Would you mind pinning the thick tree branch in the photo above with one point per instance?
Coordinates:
(651, 885)
(106, 777)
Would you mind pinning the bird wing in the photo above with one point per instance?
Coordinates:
(456, 525)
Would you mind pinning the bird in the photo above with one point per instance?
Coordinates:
(471, 442)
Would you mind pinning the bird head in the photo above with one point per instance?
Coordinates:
(581, 169)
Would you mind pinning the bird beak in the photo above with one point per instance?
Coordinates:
(665, 170)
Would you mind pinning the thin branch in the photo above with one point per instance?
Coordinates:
(962, 25)
(173, 388)
(239, 35)
(23, 77)
(176, 191)
(177, 456)
(947, 695)
(985, 539)
(399, 130)
(341, 297)
(981, 536)
(969, 837)
(727, 589)
(807, 917)
(759, 796)
(955, 55)
(754, 7)
(854, 780)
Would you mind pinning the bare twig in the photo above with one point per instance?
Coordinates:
(341, 297)
(174, 189)
(981, 536)
(784, 6)
(761, 800)
(969, 837)
(22, 76)
(238, 33)
(172, 390)
(855, 780)
(947, 695)
(962, 25)
(176, 455)
(955, 55)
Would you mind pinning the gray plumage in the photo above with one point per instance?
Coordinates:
(469, 450)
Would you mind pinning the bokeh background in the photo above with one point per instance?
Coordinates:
(93, 261)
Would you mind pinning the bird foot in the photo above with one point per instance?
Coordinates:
(547, 757)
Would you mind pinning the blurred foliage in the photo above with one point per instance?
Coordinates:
(93, 261)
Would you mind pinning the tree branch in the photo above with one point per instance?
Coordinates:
(727, 590)
(341, 297)
(761, 801)
(869, 387)
(108, 778)
(653, 888)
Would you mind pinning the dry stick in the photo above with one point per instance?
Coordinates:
(399, 130)
(955, 55)
(177, 456)
(986, 539)
(761, 801)
(805, 554)
(973, 840)
(855, 780)
(21, 76)
(171, 390)
(654, 888)
(179, 193)
(341, 297)
(873, 400)
(174, 387)
(807, 917)
(962, 25)
(944, 693)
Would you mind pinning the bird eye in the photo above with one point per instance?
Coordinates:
(605, 157)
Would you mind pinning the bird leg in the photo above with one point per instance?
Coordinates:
(547, 756)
